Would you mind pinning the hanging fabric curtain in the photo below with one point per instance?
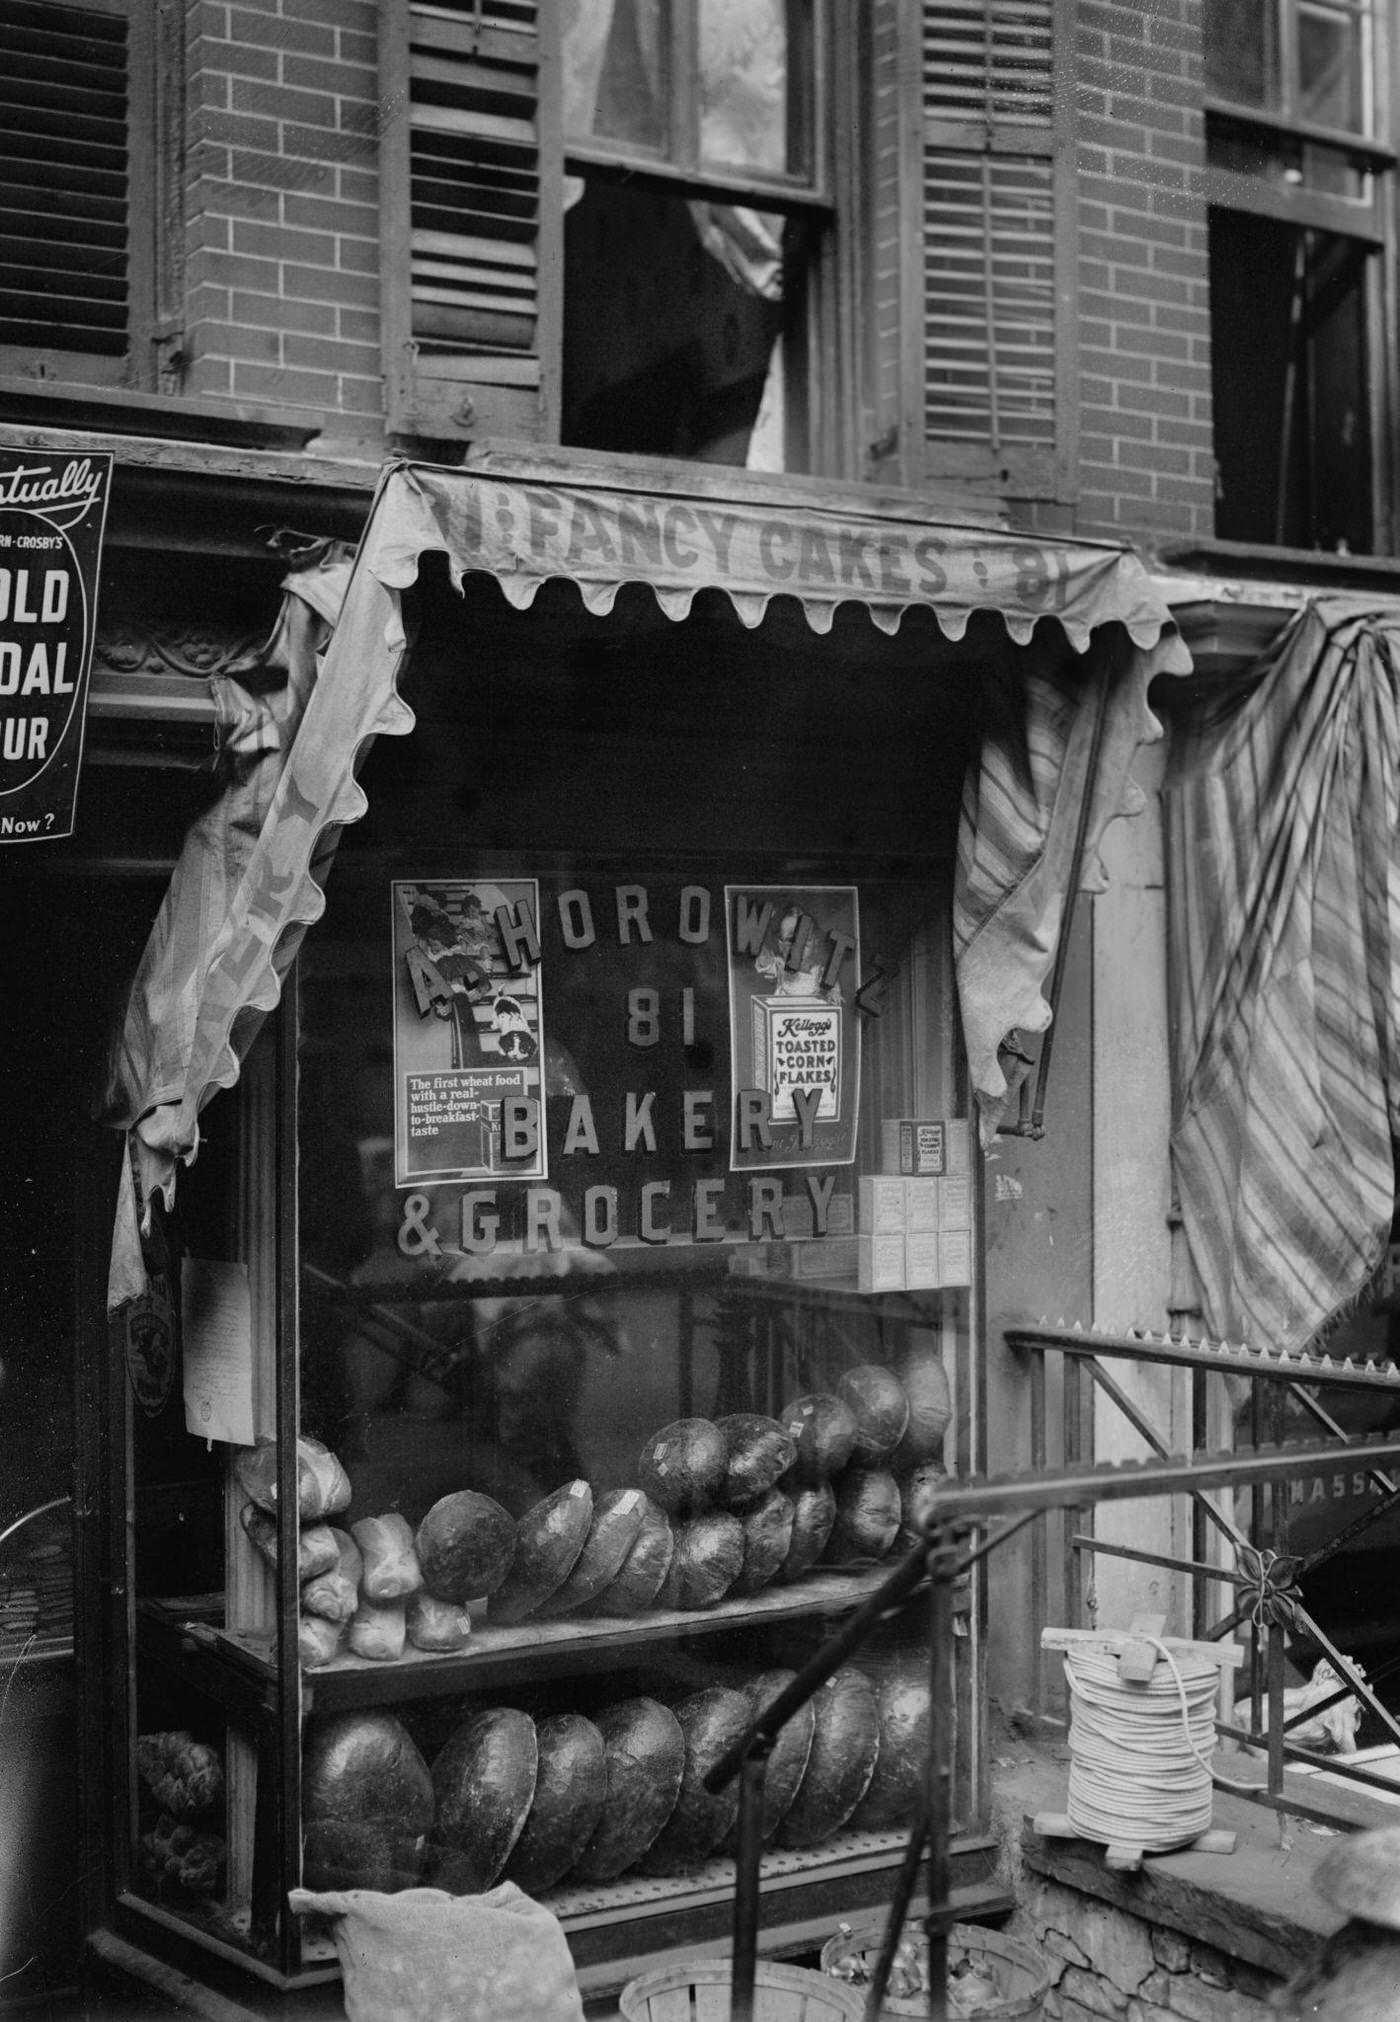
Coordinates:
(1027, 844)
(1284, 940)
(250, 879)
(198, 964)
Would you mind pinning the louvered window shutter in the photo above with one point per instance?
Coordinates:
(997, 223)
(472, 203)
(65, 257)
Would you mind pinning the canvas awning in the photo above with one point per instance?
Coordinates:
(226, 936)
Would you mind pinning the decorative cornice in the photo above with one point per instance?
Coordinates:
(126, 646)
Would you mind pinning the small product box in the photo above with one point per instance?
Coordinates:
(880, 1262)
(959, 1147)
(914, 1144)
(954, 1201)
(922, 1261)
(841, 1215)
(881, 1204)
(923, 1206)
(798, 1216)
(827, 1257)
(955, 1257)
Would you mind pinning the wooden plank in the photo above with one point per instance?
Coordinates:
(1115, 1641)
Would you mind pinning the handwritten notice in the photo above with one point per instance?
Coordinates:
(216, 1317)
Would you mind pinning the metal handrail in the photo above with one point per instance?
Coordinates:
(955, 1514)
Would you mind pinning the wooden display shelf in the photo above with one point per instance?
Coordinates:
(495, 1653)
(617, 1929)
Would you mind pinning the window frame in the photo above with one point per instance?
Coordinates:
(1284, 115)
(680, 163)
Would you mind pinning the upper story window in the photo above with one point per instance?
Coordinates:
(1300, 148)
(85, 152)
(694, 198)
(827, 236)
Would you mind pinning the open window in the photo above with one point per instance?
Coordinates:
(696, 193)
(787, 234)
(1302, 178)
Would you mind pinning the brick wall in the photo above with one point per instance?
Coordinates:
(1146, 463)
(282, 207)
(1106, 1966)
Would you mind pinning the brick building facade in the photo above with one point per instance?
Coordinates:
(275, 241)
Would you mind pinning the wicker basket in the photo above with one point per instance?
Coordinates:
(1023, 1982)
(699, 1992)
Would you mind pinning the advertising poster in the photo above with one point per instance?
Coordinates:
(53, 510)
(468, 1030)
(693, 1080)
(794, 952)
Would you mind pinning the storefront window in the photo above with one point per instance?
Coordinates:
(636, 1233)
(617, 1271)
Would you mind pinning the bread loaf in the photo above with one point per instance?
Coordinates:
(367, 1803)
(822, 1429)
(616, 1525)
(548, 1540)
(867, 1516)
(758, 1453)
(813, 1514)
(465, 1545)
(335, 1595)
(316, 1548)
(880, 1408)
(570, 1787)
(643, 1572)
(323, 1487)
(682, 1467)
(435, 1625)
(318, 1641)
(711, 1721)
(901, 1762)
(787, 1762)
(644, 1760)
(378, 1630)
(767, 1541)
(391, 1569)
(484, 1783)
(706, 1560)
(845, 1743)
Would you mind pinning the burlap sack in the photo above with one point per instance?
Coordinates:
(425, 1956)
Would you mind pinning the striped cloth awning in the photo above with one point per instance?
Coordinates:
(1283, 943)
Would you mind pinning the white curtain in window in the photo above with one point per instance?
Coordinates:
(743, 125)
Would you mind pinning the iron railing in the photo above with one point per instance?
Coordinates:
(965, 1521)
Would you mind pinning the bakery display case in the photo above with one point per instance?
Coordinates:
(573, 1302)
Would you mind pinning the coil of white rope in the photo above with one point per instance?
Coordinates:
(1140, 1754)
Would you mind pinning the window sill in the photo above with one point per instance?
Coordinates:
(1231, 600)
(1294, 566)
(1256, 1905)
(70, 405)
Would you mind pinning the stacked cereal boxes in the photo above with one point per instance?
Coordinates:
(915, 1216)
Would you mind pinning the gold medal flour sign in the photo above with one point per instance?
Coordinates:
(53, 510)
